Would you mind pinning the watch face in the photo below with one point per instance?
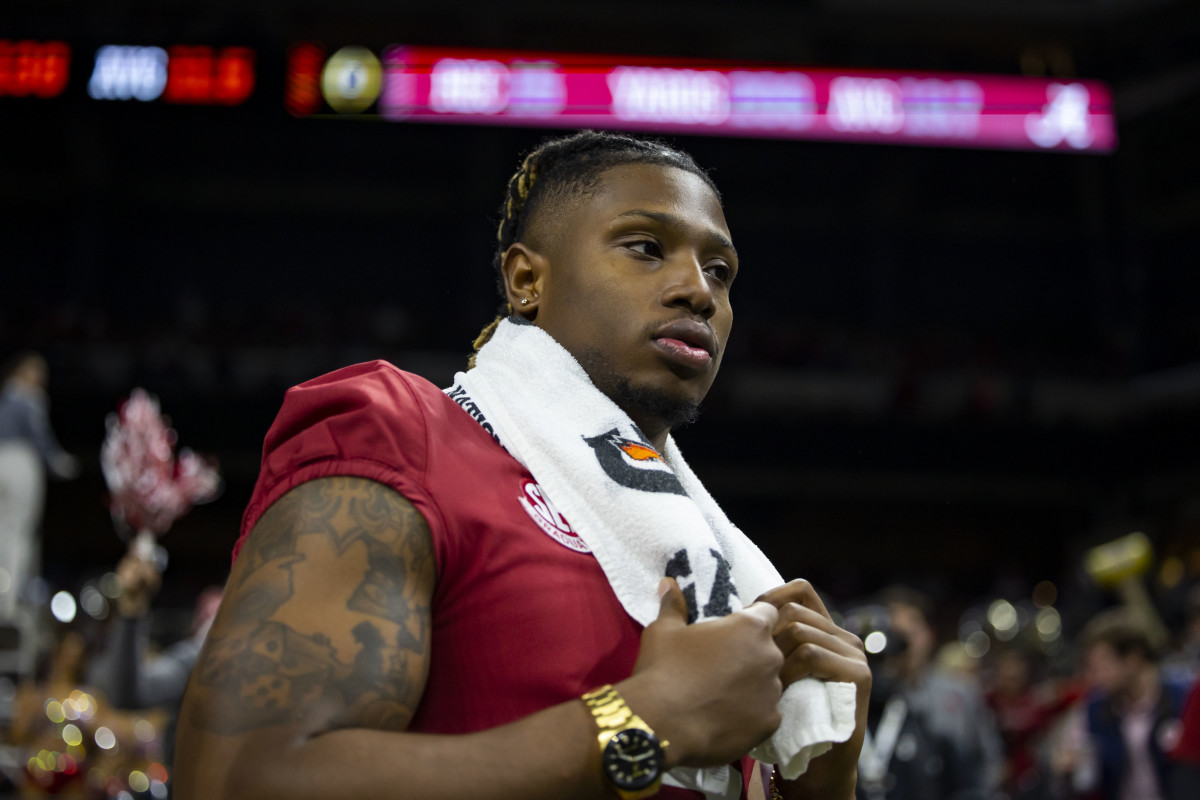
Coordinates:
(633, 759)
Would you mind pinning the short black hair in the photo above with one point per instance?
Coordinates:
(567, 166)
(902, 595)
(1123, 630)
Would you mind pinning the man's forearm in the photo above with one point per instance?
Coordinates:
(832, 776)
(120, 666)
(799, 790)
(550, 754)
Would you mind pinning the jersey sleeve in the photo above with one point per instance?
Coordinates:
(365, 421)
(1187, 750)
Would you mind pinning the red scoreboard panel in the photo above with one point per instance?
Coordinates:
(504, 87)
(202, 75)
(33, 69)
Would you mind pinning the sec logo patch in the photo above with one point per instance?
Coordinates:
(539, 508)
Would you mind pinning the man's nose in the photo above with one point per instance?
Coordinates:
(688, 286)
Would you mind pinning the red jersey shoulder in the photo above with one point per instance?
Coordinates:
(385, 387)
(375, 412)
(371, 410)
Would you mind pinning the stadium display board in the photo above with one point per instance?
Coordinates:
(494, 87)
(406, 84)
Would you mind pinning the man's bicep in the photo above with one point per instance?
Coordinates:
(325, 621)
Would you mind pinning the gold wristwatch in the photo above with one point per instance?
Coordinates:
(633, 758)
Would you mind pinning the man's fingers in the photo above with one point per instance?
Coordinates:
(812, 645)
(672, 606)
(794, 612)
(768, 613)
(798, 591)
(790, 635)
(810, 660)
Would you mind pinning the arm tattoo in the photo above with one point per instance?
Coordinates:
(360, 661)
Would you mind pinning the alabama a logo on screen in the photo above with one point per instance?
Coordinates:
(539, 508)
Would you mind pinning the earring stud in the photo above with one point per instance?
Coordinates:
(524, 301)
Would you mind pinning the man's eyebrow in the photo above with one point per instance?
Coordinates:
(677, 221)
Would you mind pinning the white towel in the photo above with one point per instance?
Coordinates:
(643, 514)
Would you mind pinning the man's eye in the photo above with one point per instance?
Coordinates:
(647, 247)
(721, 272)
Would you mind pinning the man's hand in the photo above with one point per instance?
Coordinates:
(814, 646)
(139, 580)
(65, 467)
(710, 689)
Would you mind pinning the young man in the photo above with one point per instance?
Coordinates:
(1131, 722)
(952, 709)
(486, 592)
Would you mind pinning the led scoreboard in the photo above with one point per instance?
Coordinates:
(182, 74)
(33, 69)
(405, 84)
(196, 75)
(496, 87)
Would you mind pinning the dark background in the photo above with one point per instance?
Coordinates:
(951, 367)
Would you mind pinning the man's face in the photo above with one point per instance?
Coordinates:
(33, 372)
(910, 623)
(1107, 669)
(637, 289)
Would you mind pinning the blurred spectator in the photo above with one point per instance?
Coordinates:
(36, 725)
(66, 739)
(1185, 775)
(902, 757)
(953, 659)
(1183, 663)
(951, 706)
(1024, 711)
(1130, 721)
(129, 676)
(27, 443)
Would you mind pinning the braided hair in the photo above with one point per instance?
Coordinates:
(558, 169)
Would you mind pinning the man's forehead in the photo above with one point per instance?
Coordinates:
(667, 194)
(668, 182)
(622, 189)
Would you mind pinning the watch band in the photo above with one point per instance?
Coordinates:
(610, 710)
(614, 717)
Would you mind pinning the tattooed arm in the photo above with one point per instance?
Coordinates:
(318, 659)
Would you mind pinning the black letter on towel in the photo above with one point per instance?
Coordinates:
(679, 567)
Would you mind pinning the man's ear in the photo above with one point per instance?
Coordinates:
(525, 272)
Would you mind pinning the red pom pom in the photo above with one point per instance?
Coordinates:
(149, 488)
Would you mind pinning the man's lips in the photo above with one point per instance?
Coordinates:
(691, 333)
(687, 342)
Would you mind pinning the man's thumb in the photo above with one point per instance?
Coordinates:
(671, 603)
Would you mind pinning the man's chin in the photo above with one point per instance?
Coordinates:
(651, 403)
(652, 407)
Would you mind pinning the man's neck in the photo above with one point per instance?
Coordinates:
(659, 439)
(652, 428)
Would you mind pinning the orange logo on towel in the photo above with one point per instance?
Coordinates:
(639, 452)
(633, 463)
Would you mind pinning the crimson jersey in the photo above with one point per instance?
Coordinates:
(523, 616)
